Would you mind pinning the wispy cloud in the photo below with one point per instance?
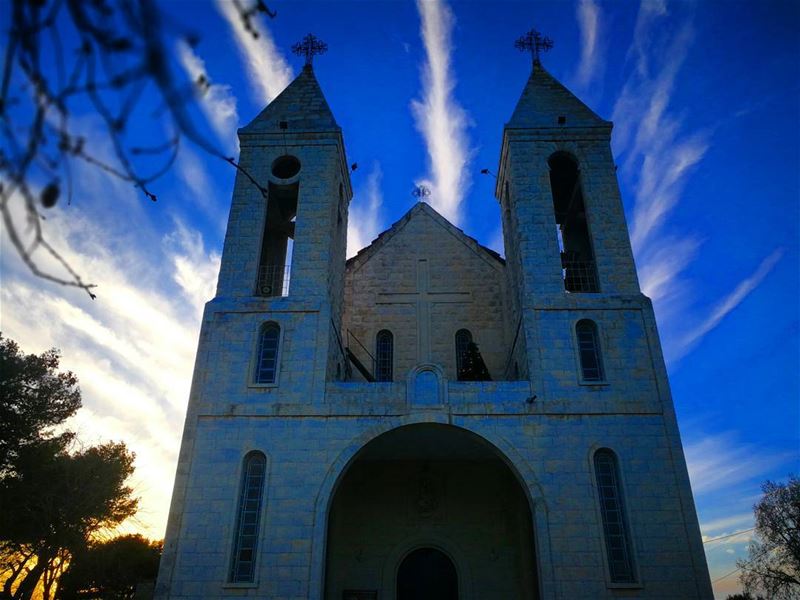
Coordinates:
(267, 68)
(726, 473)
(661, 265)
(217, 100)
(440, 119)
(364, 221)
(194, 174)
(590, 67)
(132, 348)
(722, 461)
(732, 300)
(658, 157)
(726, 525)
(659, 154)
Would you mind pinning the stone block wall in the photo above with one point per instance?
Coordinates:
(525, 168)
(320, 238)
(550, 454)
(382, 282)
(544, 428)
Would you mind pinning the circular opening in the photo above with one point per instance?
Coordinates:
(285, 167)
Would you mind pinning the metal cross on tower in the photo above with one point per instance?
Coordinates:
(309, 47)
(421, 192)
(533, 42)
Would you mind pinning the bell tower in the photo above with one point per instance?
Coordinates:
(285, 245)
(269, 338)
(586, 334)
(565, 234)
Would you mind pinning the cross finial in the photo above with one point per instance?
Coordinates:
(421, 192)
(533, 42)
(310, 46)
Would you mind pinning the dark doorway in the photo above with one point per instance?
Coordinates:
(427, 574)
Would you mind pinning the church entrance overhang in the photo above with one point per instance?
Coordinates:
(426, 474)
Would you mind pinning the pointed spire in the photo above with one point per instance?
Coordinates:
(545, 102)
(300, 107)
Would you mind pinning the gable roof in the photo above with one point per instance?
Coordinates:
(419, 209)
(302, 105)
(544, 99)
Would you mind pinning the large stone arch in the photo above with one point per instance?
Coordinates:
(501, 447)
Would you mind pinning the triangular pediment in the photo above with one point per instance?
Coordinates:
(544, 100)
(301, 106)
(421, 210)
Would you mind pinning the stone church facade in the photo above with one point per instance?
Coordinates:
(429, 419)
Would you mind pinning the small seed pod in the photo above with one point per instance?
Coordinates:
(50, 195)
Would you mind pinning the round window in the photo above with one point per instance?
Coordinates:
(285, 167)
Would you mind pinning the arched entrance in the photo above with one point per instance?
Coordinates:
(415, 491)
(427, 574)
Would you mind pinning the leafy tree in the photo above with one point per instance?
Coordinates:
(110, 570)
(744, 596)
(34, 398)
(56, 502)
(773, 565)
(52, 498)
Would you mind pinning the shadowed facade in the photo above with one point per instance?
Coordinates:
(429, 419)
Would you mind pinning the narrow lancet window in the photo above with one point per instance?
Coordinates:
(279, 228)
(469, 362)
(463, 340)
(245, 541)
(266, 370)
(384, 355)
(577, 257)
(615, 524)
(589, 351)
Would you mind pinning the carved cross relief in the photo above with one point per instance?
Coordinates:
(424, 298)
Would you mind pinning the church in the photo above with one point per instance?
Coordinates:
(429, 420)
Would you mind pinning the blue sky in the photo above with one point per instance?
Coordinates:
(705, 101)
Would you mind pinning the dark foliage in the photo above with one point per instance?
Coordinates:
(52, 500)
(34, 398)
(114, 57)
(110, 570)
(773, 566)
(472, 366)
(55, 502)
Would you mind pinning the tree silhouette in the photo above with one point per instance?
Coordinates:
(52, 498)
(110, 570)
(34, 398)
(113, 55)
(773, 566)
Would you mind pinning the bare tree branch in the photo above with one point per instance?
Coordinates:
(117, 53)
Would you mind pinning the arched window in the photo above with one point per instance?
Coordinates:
(577, 256)
(463, 339)
(384, 355)
(589, 351)
(615, 523)
(248, 516)
(266, 370)
(280, 221)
